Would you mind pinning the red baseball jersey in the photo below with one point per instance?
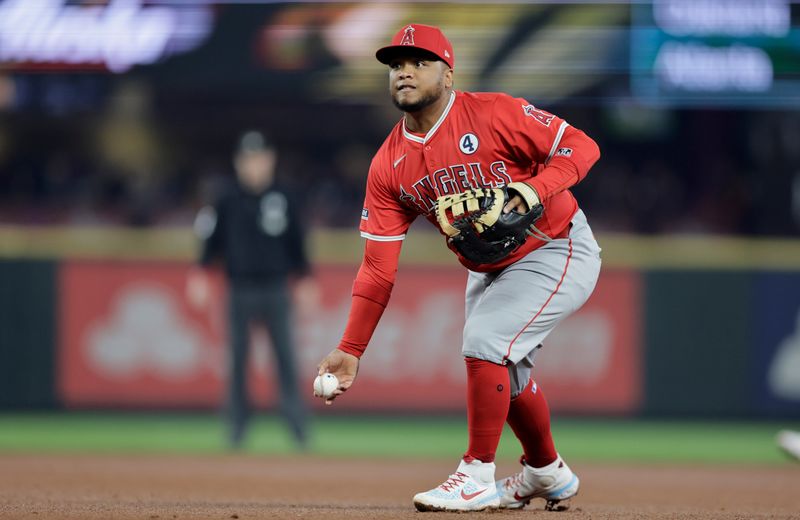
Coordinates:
(482, 140)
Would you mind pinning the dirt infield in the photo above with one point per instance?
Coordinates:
(253, 487)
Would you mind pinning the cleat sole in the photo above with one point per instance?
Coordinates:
(558, 505)
(428, 508)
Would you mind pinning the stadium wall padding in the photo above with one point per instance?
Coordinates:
(679, 342)
(697, 337)
(776, 338)
(27, 333)
(128, 338)
(722, 343)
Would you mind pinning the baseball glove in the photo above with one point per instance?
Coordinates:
(477, 227)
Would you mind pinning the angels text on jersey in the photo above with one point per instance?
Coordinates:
(453, 179)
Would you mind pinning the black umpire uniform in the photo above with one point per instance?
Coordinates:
(255, 232)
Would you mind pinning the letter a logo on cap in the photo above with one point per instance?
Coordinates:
(419, 36)
(408, 36)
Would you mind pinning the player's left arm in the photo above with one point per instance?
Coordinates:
(562, 153)
(578, 153)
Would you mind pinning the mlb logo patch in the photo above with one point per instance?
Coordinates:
(565, 152)
(365, 214)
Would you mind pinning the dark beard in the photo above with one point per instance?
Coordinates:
(424, 102)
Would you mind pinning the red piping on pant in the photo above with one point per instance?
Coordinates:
(558, 286)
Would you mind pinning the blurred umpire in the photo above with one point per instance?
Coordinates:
(253, 229)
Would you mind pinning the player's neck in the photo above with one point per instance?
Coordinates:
(422, 121)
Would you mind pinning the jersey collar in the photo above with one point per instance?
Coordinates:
(422, 140)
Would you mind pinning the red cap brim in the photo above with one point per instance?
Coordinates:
(386, 54)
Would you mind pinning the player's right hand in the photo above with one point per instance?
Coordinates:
(344, 366)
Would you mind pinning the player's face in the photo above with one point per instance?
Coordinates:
(255, 169)
(417, 82)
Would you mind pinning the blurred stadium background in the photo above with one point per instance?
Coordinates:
(117, 121)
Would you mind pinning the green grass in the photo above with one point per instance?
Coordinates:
(582, 439)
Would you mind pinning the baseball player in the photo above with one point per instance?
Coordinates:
(493, 173)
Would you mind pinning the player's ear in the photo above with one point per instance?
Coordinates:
(448, 76)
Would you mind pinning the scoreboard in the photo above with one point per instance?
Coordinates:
(662, 53)
(716, 53)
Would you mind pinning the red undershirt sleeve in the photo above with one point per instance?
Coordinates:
(371, 291)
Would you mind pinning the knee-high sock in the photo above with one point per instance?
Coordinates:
(488, 398)
(529, 418)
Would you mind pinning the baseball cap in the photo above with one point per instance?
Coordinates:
(253, 141)
(417, 36)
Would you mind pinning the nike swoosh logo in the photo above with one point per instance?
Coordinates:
(517, 497)
(470, 496)
(398, 161)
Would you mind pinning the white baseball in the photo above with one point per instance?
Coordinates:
(325, 384)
